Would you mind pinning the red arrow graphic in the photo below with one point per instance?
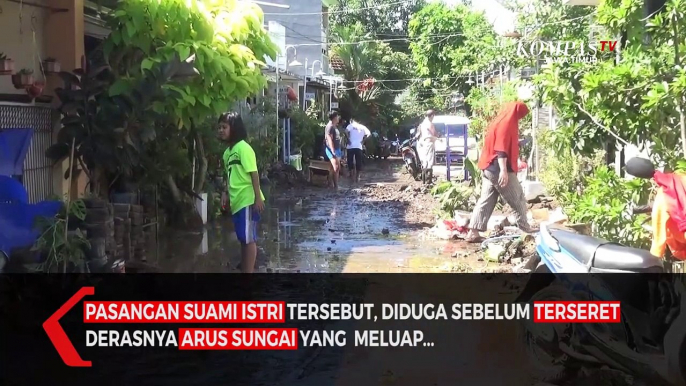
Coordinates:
(59, 338)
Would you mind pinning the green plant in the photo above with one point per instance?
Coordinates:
(225, 41)
(485, 104)
(453, 196)
(304, 127)
(680, 166)
(370, 102)
(265, 152)
(472, 46)
(141, 104)
(3, 56)
(263, 133)
(604, 204)
(50, 60)
(60, 246)
(441, 187)
(25, 71)
(639, 99)
(562, 170)
(475, 174)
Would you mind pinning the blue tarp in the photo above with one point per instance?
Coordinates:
(17, 216)
(14, 144)
(12, 191)
(17, 223)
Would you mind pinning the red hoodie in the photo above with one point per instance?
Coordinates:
(503, 135)
(674, 187)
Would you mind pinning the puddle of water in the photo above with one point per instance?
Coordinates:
(322, 232)
(315, 235)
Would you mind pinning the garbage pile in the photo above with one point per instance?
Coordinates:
(505, 244)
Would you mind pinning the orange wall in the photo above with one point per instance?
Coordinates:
(16, 40)
(63, 37)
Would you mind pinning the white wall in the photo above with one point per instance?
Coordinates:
(277, 33)
(20, 47)
(303, 28)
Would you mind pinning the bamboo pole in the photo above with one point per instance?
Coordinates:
(66, 223)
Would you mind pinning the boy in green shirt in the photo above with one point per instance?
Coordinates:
(244, 194)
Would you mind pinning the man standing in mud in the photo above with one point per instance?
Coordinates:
(426, 146)
(332, 144)
(356, 133)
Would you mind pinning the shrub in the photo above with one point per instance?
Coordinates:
(605, 203)
(453, 196)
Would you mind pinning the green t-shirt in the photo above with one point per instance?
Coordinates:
(239, 162)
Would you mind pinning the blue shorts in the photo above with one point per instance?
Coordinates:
(330, 154)
(245, 222)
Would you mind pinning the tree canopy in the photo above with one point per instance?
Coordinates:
(129, 113)
(363, 63)
(450, 42)
(449, 45)
(226, 38)
(376, 19)
(637, 100)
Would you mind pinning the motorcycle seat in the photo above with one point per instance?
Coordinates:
(619, 257)
(582, 247)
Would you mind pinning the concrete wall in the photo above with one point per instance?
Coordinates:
(303, 31)
(64, 40)
(19, 46)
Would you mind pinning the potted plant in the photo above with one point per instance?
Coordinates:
(35, 89)
(23, 78)
(51, 66)
(6, 64)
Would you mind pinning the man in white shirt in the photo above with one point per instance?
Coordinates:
(426, 146)
(357, 133)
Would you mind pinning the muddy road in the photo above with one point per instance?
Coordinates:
(377, 225)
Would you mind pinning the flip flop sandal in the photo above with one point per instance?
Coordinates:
(474, 240)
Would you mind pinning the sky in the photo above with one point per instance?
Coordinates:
(502, 19)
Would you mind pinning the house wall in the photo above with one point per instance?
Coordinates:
(305, 32)
(58, 35)
(19, 46)
(64, 39)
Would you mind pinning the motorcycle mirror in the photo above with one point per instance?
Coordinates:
(640, 167)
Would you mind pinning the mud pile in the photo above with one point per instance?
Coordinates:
(418, 205)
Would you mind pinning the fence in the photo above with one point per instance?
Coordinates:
(544, 119)
(37, 177)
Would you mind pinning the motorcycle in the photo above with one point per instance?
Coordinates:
(408, 150)
(650, 341)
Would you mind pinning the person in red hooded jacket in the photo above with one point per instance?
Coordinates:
(669, 215)
(498, 162)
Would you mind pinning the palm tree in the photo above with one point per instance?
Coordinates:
(361, 61)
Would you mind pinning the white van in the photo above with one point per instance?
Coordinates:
(461, 144)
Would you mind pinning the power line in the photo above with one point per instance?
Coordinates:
(378, 41)
(336, 12)
(408, 79)
(315, 42)
(329, 43)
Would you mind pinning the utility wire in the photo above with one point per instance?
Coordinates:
(316, 42)
(339, 11)
(407, 38)
(408, 79)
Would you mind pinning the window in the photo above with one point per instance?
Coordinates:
(453, 130)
